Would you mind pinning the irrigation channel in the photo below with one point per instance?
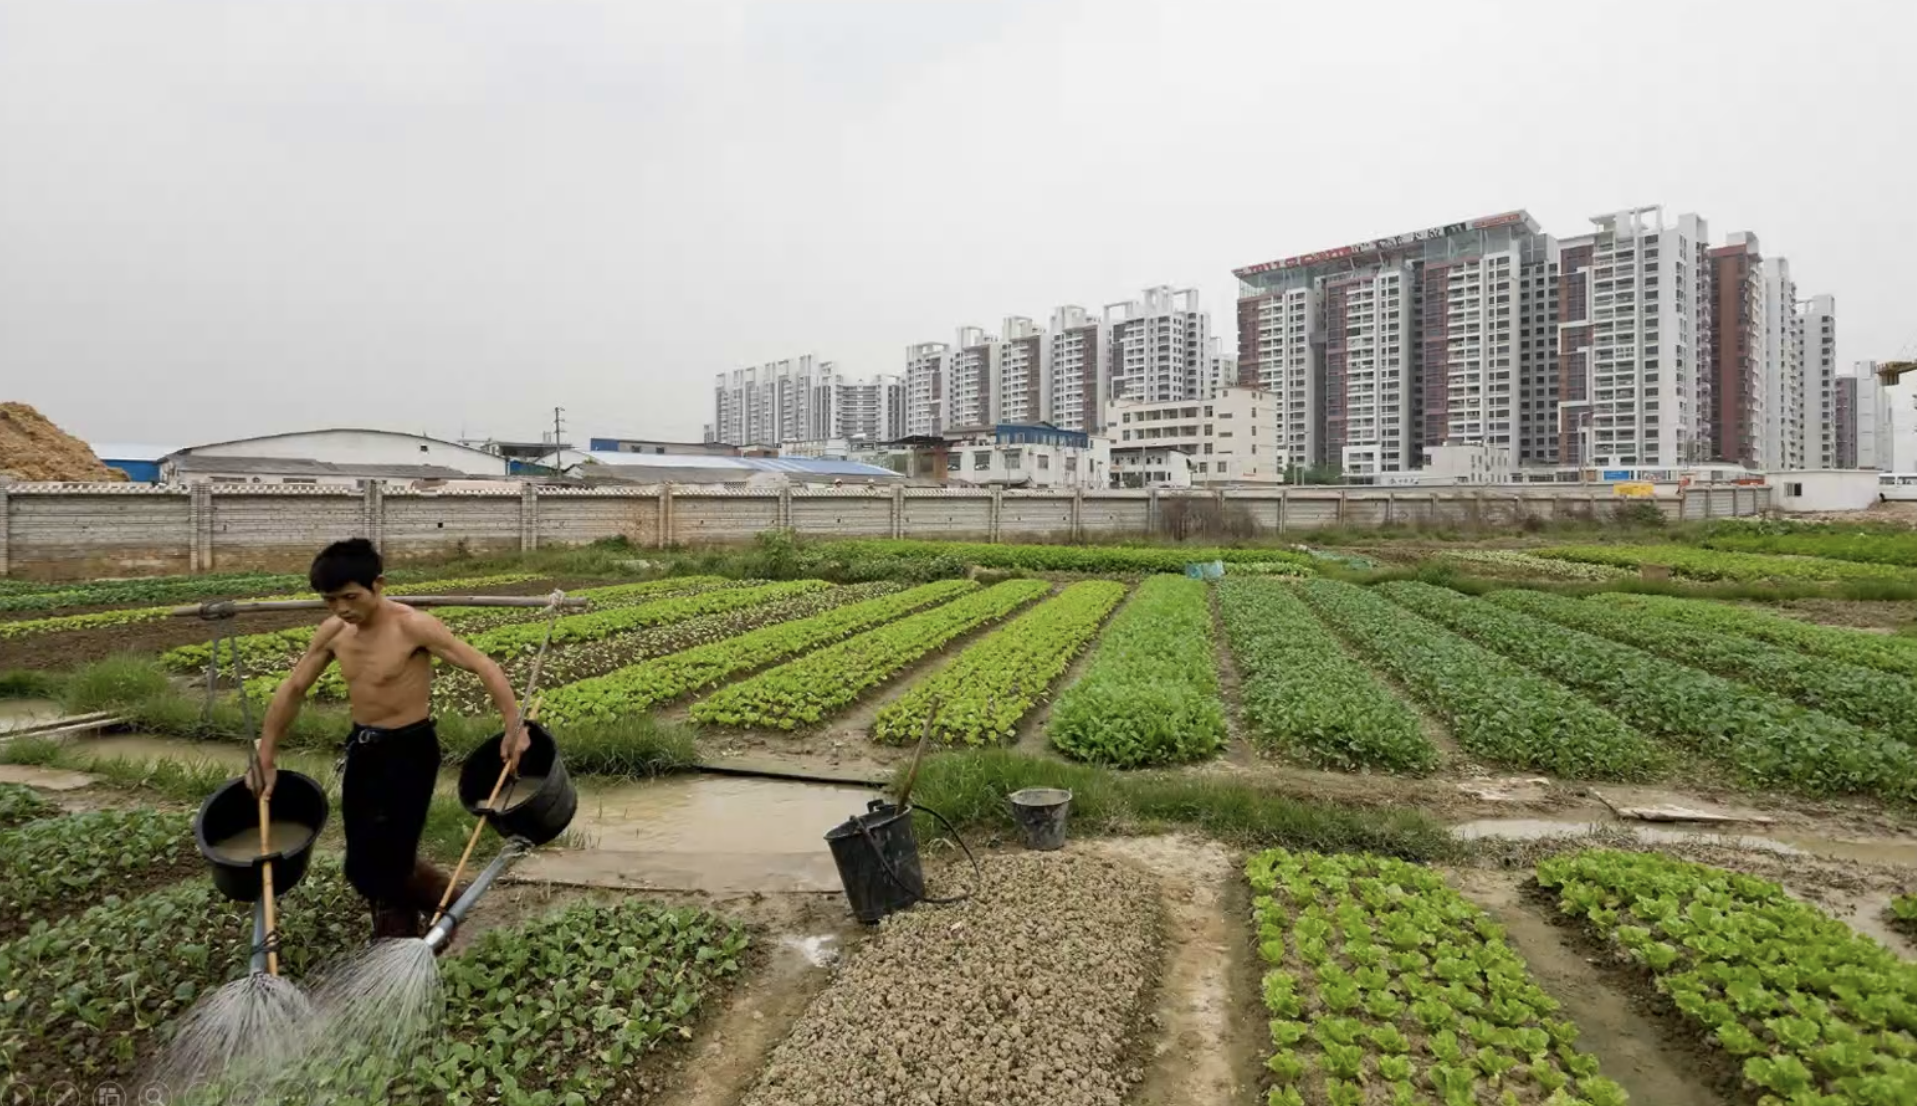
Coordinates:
(1143, 940)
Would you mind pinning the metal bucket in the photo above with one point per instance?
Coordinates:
(538, 813)
(297, 798)
(1040, 813)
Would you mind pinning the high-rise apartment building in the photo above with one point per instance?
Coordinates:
(1079, 345)
(925, 369)
(1861, 420)
(1783, 443)
(1816, 334)
(971, 378)
(1634, 335)
(1160, 346)
(872, 411)
(779, 401)
(1380, 348)
(1024, 384)
(1740, 394)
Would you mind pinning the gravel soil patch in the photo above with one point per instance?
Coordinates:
(1030, 993)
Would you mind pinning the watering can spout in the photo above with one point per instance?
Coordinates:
(441, 933)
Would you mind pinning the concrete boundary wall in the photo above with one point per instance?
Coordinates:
(77, 531)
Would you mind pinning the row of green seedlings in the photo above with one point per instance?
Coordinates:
(1385, 986)
(562, 1010)
(96, 619)
(1809, 541)
(26, 595)
(1712, 564)
(1070, 558)
(1865, 696)
(981, 697)
(278, 649)
(1517, 562)
(806, 691)
(1494, 707)
(55, 866)
(524, 639)
(1150, 692)
(638, 687)
(1884, 652)
(1303, 696)
(1768, 740)
(461, 692)
(1805, 1010)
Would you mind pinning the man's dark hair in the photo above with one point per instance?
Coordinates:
(353, 561)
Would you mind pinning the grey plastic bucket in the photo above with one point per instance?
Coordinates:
(1040, 813)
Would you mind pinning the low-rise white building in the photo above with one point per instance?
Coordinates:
(1027, 455)
(1231, 438)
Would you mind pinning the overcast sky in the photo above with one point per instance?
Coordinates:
(219, 219)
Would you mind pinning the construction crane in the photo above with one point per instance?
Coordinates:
(1889, 371)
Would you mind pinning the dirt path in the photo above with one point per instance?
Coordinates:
(801, 939)
(1238, 746)
(1204, 1052)
(1631, 1047)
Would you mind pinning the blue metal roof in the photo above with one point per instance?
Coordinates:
(812, 466)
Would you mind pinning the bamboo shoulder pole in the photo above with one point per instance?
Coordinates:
(228, 609)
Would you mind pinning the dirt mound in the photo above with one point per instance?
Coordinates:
(31, 448)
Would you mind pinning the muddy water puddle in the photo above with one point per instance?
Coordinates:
(703, 833)
(1787, 843)
(17, 714)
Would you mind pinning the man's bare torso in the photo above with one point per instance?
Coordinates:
(389, 673)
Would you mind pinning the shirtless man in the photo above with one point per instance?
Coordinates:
(385, 651)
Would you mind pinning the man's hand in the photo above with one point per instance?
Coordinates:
(514, 745)
(261, 777)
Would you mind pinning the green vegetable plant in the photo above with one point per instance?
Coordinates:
(1798, 539)
(1884, 652)
(558, 1013)
(54, 866)
(91, 997)
(1803, 1007)
(461, 692)
(1902, 914)
(981, 697)
(1150, 694)
(806, 691)
(1712, 564)
(159, 589)
(638, 687)
(1513, 562)
(1769, 740)
(594, 625)
(1865, 696)
(1063, 558)
(1383, 981)
(1304, 695)
(1495, 708)
(20, 803)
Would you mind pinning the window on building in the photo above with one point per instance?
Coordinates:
(1224, 433)
(1071, 462)
(1012, 461)
(1044, 462)
(1128, 417)
(1208, 410)
(1125, 436)
(1207, 449)
(1793, 490)
(981, 460)
(1202, 467)
(1208, 430)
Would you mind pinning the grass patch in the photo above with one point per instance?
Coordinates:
(28, 683)
(970, 787)
(115, 682)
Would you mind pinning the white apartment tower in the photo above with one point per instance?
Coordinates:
(1633, 335)
(1161, 344)
(971, 378)
(1370, 363)
(1816, 332)
(779, 401)
(1861, 420)
(925, 368)
(870, 412)
(1782, 375)
(1024, 380)
(1078, 346)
